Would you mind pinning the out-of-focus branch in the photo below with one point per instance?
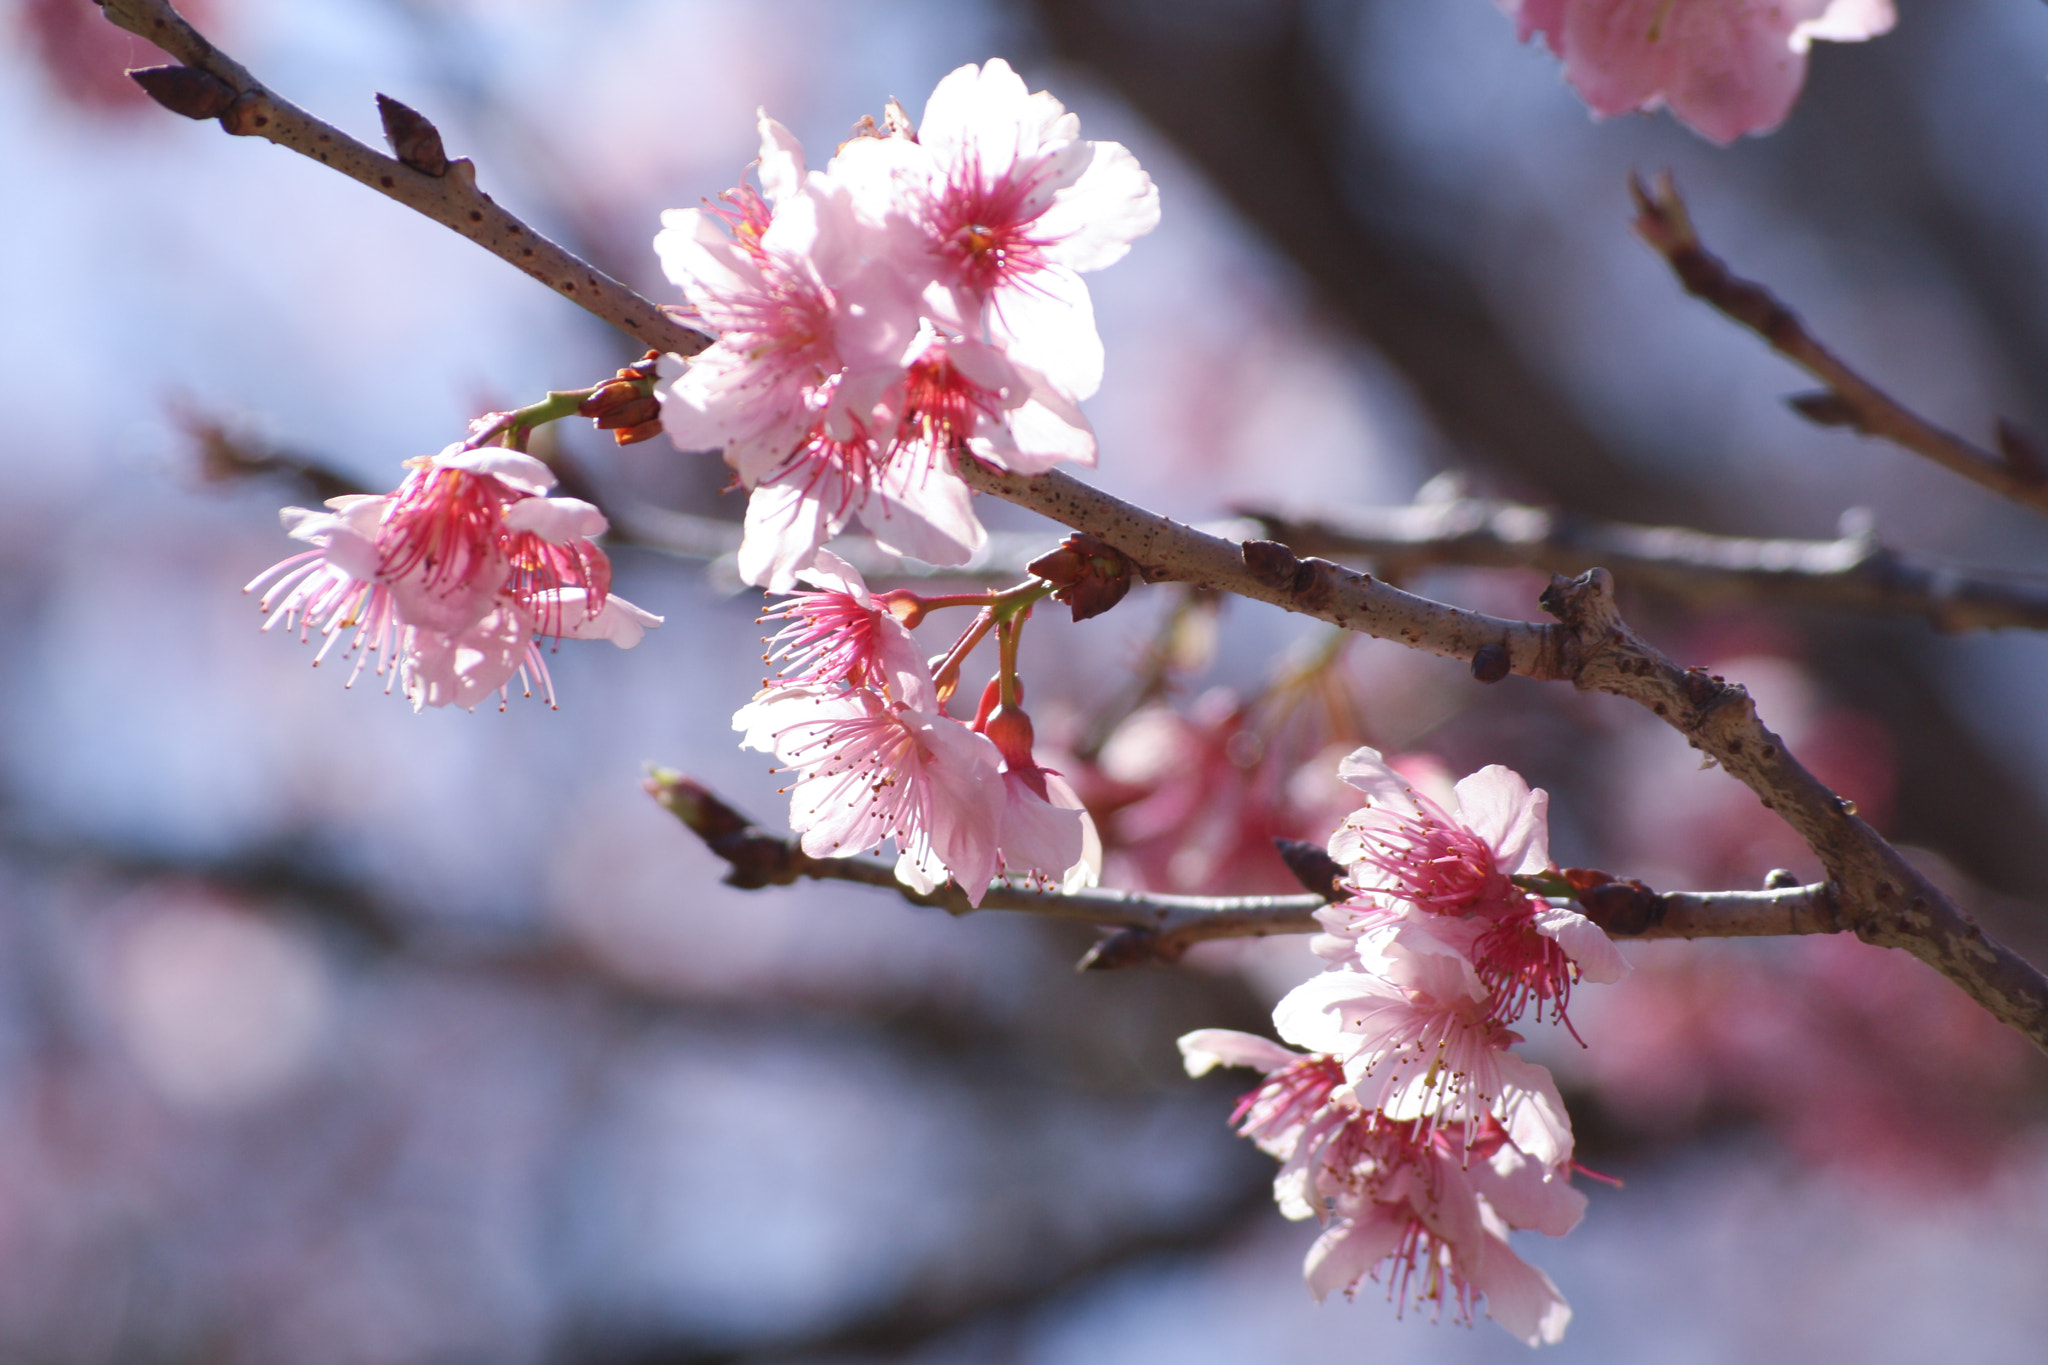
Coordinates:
(212, 84)
(1159, 928)
(1852, 573)
(2016, 470)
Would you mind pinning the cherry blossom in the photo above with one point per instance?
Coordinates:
(1723, 67)
(1009, 205)
(1449, 874)
(1415, 1031)
(449, 579)
(871, 771)
(812, 323)
(840, 633)
(1423, 1209)
(1047, 833)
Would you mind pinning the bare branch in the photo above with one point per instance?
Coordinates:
(449, 196)
(1850, 399)
(1852, 573)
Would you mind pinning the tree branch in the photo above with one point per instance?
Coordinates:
(2017, 471)
(212, 84)
(1881, 896)
(1159, 928)
(1852, 573)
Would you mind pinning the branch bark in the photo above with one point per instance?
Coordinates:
(1852, 573)
(451, 197)
(2016, 471)
(1159, 928)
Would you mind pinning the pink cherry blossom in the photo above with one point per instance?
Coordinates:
(1420, 1208)
(839, 633)
(1724, 67)
(448, 580)
(1449, 873)
(1047, 833)
(1008, 205)
(871, 771)
(1415, 1032)
(813, 319)
(1404, 846)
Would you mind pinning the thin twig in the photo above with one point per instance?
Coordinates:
(1159, 928)
(1851, 400)
(449, 197)
(1852, 573)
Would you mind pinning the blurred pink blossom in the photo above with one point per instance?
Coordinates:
(1723, 67)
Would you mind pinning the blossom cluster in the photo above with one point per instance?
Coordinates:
(1407, 1125)
(451, 580)
(857, 713)
(916, 303)
(1723, 67)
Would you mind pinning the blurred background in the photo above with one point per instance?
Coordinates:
(332, 1033)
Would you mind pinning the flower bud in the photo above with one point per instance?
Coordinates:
(185, 90)
(413, 137)
(1011, 730)
(1087, 574)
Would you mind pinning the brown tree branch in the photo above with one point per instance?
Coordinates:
(1877, 892)
(2017, 471)
(1159, 928)
(212, 84)
(1852, 573)
(1881, 896)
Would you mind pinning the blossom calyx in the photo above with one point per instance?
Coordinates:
(625, 404)
(1088, 574)
(1011, 730)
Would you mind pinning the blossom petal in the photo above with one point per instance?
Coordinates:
(1584, 942)
(1498, 805)
(1350, 1248)
(1208, 1048)
(556, 520)
(1093, 222)
(1520, 1297)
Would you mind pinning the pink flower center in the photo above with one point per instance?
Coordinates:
(829, 637)
(1290, 1096)
(981, 228)
(1420, 1270)
(941, 406)
(1444, 869)
(444, 523)
(1520, 967)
